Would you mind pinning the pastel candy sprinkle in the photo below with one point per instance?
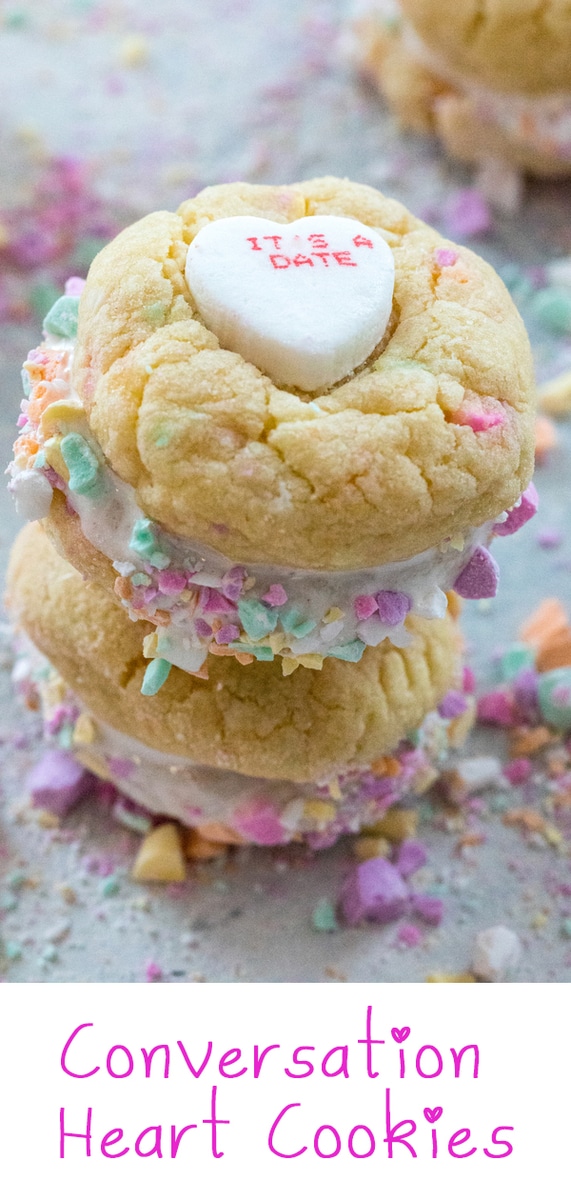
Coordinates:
(393, 607)
(364, 607)
(411, 857)
(554, 696)
(429, 908)
(374, 891)
(160, 858)
(446, 257)
(145, 544)
(262, 653)
(156, 674)
(74, 285)
(351, 652)
(228, 633)
(57, 782)
(515, 659)
(257, 620)
(275, 596)
(552, 307)
(453, 705)
(62, 317)
(479, 578)
(81, 462)
(171, 583)
(323, 917)
(519, 515)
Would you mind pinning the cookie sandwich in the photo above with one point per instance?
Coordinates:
(492, 81)
(281, 423)
(245, 755)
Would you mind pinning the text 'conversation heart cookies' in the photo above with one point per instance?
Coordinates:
(306, 302)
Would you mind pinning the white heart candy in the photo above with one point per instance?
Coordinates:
(306, 302)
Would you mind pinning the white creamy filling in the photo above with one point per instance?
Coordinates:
(321, 614)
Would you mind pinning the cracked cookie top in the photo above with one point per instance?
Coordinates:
(509, 45)
(431, 436)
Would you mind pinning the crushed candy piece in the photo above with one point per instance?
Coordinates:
(160, 858)
(497, 952)
(374, 891)
(57, 782)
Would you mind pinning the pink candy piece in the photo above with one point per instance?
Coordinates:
(153, 973)
(258, 821)
(212, 601)
(411, 857)
(171, 583)
(478, 419)
(228, 633)
(409, 935)
(393, 607)
(479, 578)
(364, 607)
(468, 681)
(468, 214)
(496, 708)
(374, 891)
(428, 908)
(57, 782)
(520, 515)
(275, 596)
(518, 770)
(203, 629)
(74, 285)
(446, 257)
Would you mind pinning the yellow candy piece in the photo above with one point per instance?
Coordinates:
(396, 825)
(442, 977)
(150, 645)
(55, 459)
(160, 858)
(334, 614)
(313, 661)
(371, 847)
(60, 415)
(84, 732)
(289, 665)
(319, 811)
(555, 397)
(277, 641)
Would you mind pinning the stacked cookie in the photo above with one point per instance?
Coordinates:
(277, 429)
(492, 81)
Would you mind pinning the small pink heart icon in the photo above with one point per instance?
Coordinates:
(433, 1114)
(400, 1035)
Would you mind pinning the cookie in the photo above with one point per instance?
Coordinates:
(302, 728)
(493, 81)
(246, 518)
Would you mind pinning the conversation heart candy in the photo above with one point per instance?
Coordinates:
(306, 302)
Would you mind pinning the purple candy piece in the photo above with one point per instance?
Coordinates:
(479, 578)
(453, 705)
(393, 607)
(57, 782)
(374, 891)
(519, 516)
(411, 857)
(525, 694)
(428, 908)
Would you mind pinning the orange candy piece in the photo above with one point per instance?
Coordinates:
(545, 437)
(548, 619)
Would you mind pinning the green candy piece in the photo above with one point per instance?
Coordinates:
(351, 652)
(323, 917)
(552, 306)
(81, 462)
(554, 697)
(62, 317)
(257, 620)
(156, 674)
(262, 653)
(304, 627)
(145, 544)
(514, 659)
